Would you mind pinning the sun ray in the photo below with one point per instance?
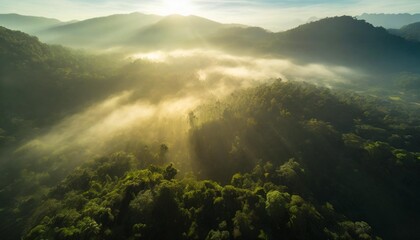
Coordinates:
(181, 7)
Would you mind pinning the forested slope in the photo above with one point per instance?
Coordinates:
(110, 199)
(300, 162)
(41, 83)
(410, 32)
(359, 153)
(274, 159)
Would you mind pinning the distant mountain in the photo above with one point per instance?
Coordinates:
(28, 24)
(410, 32)
(343, 41)
(349, 42)
(248, 40)
(177, 30)
(135, 30)
(101, 31)
(121, 30)
(390, 20)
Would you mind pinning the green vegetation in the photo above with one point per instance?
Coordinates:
(296, 157)
(355, 154)
(111, 198)
(95, 147)
(35, 75)
(363, 47)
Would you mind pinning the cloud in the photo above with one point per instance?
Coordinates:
(93, 129)
(245, 68)
(155, 105)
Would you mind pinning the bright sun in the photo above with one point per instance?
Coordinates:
(182, 7)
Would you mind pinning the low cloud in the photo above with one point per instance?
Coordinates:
(246, 68)
(153, 109)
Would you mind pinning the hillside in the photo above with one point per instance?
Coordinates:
(99, 32)
(28, 24)
(348, 42)
(410, 32)
(250, 137)
(282, 160)
(43, 75)
(345, 145)
(248, 40)
(343, 41)
(176, 31)
(112, 198)
(40, 85)
(134, 30)
(390, 20)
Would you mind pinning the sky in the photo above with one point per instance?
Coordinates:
(270, 14)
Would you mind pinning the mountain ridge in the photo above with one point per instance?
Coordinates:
(347, 40)
(98, 31)
(390, 20)
(410, 32)
(29, 24)
(174, 31)
(341, 40)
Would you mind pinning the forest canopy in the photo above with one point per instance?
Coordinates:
(272, 142)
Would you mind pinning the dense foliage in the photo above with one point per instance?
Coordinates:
(359, 153)
(110, 199)
(294, 156)
(33, 74)
(279, 160)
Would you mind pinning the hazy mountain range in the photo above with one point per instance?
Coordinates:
(101, 31)
(410, 31)
(390, 20)
(28, 24)
(137, 27)
(404, 24)
(342, 41)
(34, 24)
(119, 29)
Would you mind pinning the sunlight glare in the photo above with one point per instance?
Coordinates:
(181, 7)
(157, 56)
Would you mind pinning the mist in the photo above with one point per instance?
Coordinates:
(146, 109)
